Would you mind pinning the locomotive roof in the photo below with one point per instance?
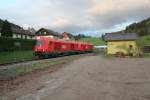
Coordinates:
(61, 40)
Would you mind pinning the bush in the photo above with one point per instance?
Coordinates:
(10, 44)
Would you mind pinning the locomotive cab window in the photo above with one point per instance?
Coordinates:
(40, 43)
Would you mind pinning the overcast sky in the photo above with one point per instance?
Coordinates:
(92, 17)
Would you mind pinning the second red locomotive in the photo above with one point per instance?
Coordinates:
(47, 47)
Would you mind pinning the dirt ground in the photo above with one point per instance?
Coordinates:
(88, 78)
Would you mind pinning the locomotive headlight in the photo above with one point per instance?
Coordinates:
(38, 37)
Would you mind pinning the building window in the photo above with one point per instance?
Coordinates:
(21, 36)
(130, 46)
(45, 33)
(130, 50)
(25, 36)
(40, 33)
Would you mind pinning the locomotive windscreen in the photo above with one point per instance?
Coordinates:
(40, 43)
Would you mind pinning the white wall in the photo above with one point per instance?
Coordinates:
(23, 36)
(14, 36)
(19, 36)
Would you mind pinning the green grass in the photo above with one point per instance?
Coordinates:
(8, 57)
(99, 51)
(12, 72)
(145, 40)
(94, 41)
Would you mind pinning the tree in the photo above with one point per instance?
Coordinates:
(6, 29)
(103, 37)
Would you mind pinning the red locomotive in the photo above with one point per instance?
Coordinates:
(48, 47)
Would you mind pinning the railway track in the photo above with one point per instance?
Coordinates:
(38, 59)
(21, 61)
(24, 61)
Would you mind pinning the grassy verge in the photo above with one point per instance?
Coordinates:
(146, 55)
(13, 72)
(100, 51)
(94, 41)
(103, 53)
(8, 57)
(145, 40)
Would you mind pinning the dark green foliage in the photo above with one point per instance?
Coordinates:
(102, 37)
(94, 41)
(145, 40)
(13, 26)
(142, 28)
(10, 44)
(6, 29)
(80, 36)
(1, 23)
(16, 56)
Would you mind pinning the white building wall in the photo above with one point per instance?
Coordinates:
(23, 36)
(19, 36)
(28, 37)
(14, 35)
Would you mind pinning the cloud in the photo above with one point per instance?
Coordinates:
(62, 22)
(109, 13)
(76, 16)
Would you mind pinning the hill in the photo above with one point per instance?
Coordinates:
(94, 41)
(145, 40)
(142, 28)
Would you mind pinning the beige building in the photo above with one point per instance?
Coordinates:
(123, 43)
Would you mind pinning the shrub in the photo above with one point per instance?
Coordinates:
(10, 44)
(6, 29)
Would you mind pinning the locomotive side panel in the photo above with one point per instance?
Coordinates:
(49, 47)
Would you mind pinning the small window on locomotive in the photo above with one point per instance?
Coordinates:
(50, 43)
(40, 43)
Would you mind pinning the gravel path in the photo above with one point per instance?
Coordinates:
(89, 78)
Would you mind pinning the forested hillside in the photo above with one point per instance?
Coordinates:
(1, 23)
(142, 28)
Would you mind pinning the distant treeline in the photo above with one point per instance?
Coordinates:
(80, 36)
